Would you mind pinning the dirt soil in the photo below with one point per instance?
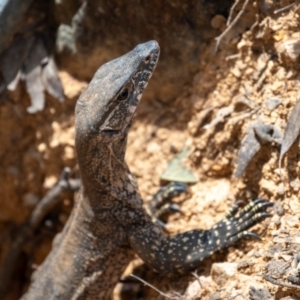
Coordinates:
(252, 76)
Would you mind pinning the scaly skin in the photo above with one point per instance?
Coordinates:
(108, 223)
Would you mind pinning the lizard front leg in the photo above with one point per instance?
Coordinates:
(186, 251)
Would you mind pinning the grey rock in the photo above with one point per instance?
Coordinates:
(272, 103)
(103, 30)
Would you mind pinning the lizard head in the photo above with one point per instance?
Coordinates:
(103, 117)
(108, 104)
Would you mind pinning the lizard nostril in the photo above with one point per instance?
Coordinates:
(147, 59)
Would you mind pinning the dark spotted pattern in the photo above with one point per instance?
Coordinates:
(108, 223)
(185, 251)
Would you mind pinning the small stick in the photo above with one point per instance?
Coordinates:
(230, 57)
(231, 12)
(50, 200)
(154, 288)
(277, 282)
(197, 277)
(220, 37)
(283, 9)
(237, 295)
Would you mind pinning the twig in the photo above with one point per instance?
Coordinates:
(51, 199)
(220, 37)
(46, 204)
(237, 295)
(234, 56)
(197, 277)
(277, 282)
(283, 9)
(154, 288)
(231, 12)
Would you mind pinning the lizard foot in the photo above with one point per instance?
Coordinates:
(235, 224)
(159, 205)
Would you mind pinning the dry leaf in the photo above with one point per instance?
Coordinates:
(257, 134)
(222, 113)
(51, 80)
(249, 147)
(176, 171)
(291, 131)
(292, 48)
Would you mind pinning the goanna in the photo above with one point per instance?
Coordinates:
(108, 223)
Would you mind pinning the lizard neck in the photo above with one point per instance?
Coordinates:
(104, 172)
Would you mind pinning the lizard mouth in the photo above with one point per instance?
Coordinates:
(110, 132)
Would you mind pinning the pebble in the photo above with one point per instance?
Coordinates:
(221, 272)
(272, 103)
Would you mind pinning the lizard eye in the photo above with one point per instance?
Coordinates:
(123, 95)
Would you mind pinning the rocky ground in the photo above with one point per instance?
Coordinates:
(251, 81)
